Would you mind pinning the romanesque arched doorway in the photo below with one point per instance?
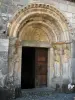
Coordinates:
(42, 26)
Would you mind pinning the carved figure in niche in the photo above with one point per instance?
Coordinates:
(66, 60)
(15, 62)
(57, 63)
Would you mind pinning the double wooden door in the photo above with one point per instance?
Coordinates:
(41, 56)
(34, 67)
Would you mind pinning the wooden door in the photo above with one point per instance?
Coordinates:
(41, 67)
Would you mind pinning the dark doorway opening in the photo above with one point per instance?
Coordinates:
(28, 68)
(34, 67)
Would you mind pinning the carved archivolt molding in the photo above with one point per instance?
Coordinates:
(40, 22)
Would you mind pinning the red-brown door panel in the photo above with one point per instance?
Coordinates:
(41, 55)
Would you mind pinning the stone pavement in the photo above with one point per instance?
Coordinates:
(45, 94)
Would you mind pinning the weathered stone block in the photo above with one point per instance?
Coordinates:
(71, 8)
(63, 7)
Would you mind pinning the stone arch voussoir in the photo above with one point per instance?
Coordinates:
(49, 12)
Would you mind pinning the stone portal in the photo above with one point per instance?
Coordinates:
(42, 26)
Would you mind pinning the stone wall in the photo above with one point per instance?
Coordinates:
(3, 61)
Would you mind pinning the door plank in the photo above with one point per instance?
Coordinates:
(41, 55)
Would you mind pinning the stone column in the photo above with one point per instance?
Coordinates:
(50, 67)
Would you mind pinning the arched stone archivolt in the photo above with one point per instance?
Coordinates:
(48, 15)
(39, 27)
